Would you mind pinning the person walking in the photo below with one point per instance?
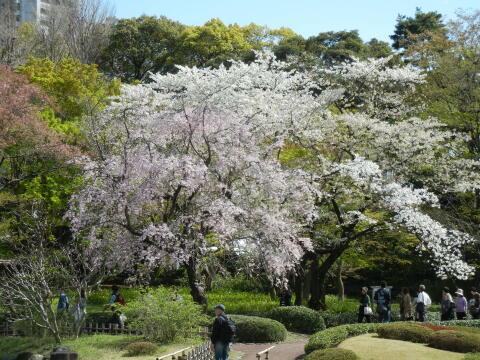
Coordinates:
(365, 310)
(63, 302)
(461, 305)
(475, 303)
(405, 305)
(447, 305)
(382, 298)
(223, 332)
(422, 303)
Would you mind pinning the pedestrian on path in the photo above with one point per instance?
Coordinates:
(406, 305)
(447, 305)
(383, 298)
(223, 332)
(422, 303)
(461, 305)
(475, 304)
(365, 310)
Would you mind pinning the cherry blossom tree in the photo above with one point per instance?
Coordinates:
(252, 157)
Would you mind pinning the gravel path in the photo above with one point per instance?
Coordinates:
(284, 351)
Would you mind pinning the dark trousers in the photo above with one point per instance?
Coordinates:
(475, 315)
(420, 312)
(447, 315)
(221, 350)
(361, 315)
(461, 316)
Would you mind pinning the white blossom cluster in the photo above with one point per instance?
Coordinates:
(192, 161)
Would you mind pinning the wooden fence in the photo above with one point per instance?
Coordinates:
(201, 352)
(265, 353)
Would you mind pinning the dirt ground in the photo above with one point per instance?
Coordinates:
(284, 351)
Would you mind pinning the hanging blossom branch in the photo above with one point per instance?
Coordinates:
(444, 245)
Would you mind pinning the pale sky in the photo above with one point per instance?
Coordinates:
(373, 18)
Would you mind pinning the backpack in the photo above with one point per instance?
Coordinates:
(120, 299)
(230, 328)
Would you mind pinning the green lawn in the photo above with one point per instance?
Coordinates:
(371, 347)
(94, 347)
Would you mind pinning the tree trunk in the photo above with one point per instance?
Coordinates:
(196, 287)
(319, 276)
(340, 286)
(299, 289)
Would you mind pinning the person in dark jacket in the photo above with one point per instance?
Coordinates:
(382, 298)
(221, 335)
(365, 304)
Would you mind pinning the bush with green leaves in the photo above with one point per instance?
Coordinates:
(466, 323)
(472, 356)
(453, 340)
(332, 337)
(332, 354)
(405, 331)
(243, 303)
(253, 329)
(158, 316)
(141, 348)
(298, 318)
(102, 296)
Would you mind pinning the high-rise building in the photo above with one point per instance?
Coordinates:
(29, 10)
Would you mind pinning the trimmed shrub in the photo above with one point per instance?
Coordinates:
(467, 323)
(298, 318)
(331, 337)
(252, 329)
(457, 341)
(337, 319)
(472, 356)
(141, 348)
(332, 354)
(405, 331)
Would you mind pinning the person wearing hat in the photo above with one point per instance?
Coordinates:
(461, 305)
(223, 331)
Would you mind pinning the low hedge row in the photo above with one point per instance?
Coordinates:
(452, 340)
(252, 329)
(337, 319)
(468, 323)
(405, 331)
(298, 318)
(332, 354)
(332, 337)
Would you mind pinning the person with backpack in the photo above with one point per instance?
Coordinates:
(223, 332)
(383, 298)
(422, 303)
(116, 297)
(475, 304)
(63, 302)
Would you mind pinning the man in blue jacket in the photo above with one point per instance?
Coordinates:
(222, 333)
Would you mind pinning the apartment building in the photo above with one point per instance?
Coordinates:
(28, 10)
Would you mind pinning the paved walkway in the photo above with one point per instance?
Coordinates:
(284, 351)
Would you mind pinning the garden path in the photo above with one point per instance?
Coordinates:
(371, 347)
(284, 351)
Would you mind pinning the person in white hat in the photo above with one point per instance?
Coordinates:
(461, 305)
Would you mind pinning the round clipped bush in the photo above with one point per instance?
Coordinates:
(252, 329)
(332, 354)
(298, 318)
(141, 348)
(406, 332)
(457, 341)
(332, 337)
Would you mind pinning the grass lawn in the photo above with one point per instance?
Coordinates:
(371, 347)
(94, 347)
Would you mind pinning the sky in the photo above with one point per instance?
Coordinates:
(372, 18)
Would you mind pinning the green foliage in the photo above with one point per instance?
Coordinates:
(472, 356)
(453, 340)
(336, 305)
(298, 318)
(245, 303)
(140, 45)
(332, 354)
(77, 89)
(159, 317)
(252, 329)
(141, 348)
(421, 23)
(102, 296)
(405, 331)
(237, 283)
(332, 337)
(462, 323)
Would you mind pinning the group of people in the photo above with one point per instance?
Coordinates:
(416, 309)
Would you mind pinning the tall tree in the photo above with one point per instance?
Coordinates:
(141, 45)
(420, 23)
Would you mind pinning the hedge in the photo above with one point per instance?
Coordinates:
(298, 318)
(405, 331)
(252, 329)
(457, 341)
(332, 337)
(337, 319)
(332, 354)
(467, 323)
